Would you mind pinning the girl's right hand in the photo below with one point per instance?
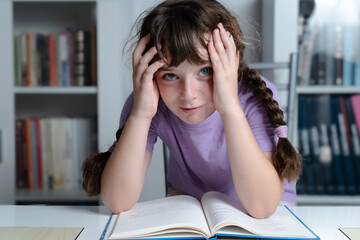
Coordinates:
(146, 93)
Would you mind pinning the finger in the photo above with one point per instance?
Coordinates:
(219, 46)
(143, 62)
(228, 41)
(214, 58)
(152, 69)
(140, 48)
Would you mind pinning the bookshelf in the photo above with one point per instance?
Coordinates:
(329, 91)
(101, 101)
(327, 78)
(70, 101)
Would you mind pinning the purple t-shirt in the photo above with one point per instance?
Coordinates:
(199, 160)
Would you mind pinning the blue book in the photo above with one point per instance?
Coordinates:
(355, 140)
(357, 73)
(315, 144)
(215, 216)
(338, 169)
(304, 148)
(322, 110)
(348, 64)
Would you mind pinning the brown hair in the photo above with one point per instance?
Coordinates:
(178, 26)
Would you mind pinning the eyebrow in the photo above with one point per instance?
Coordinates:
(169, 69)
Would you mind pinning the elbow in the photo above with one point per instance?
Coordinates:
(117, 206)
(261, 210)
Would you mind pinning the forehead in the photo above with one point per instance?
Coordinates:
(202, 51)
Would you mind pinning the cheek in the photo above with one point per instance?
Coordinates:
(166, 92)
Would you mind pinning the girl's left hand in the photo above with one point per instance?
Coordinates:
(225, 63)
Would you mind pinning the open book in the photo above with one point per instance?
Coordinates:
(217, 215)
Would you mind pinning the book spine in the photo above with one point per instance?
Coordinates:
(345, 140)
(315, 146)
(29, 154)
(44, 146)
(308, 176)
(355, 142)
(335, 144)
(20, 167)
(34, 154)
(355, 102)
(53, 70)
(348, 64)
(39, 153)
(338, 59)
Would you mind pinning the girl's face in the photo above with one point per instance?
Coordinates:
(187, 90)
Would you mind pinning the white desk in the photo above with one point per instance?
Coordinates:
(324, 221)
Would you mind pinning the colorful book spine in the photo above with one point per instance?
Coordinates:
(345, 141)
(355, 102)
(355, 141)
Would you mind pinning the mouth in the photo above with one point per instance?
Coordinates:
(190, 110)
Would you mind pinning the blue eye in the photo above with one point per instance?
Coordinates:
(169, 76)
(206, 71)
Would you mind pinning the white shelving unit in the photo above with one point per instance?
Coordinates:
(323, 90)
(103, 101)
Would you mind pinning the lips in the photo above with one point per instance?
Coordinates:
(190, 110)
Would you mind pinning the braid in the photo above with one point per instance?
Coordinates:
(92, 169)
(287, 161)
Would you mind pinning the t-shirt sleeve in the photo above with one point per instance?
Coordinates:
(258, 119)
(125, 113)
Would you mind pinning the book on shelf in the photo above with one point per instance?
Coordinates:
(67, 58)
(322, 111)
(306, 183)
(329, 50)
(215, 216)
(342, 124)
(319, 185)
(351, 104)
(50, 151)
(330, 145)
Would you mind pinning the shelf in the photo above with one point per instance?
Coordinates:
(327, 89)
(52, 196)
(46, 1)
(55, 90)
(327, 200)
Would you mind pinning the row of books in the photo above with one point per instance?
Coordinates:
(67, 58)
(50, 151)
(329, 51)
(329, 130)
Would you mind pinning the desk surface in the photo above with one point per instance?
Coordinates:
(324, 221)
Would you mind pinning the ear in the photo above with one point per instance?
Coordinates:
(237, 57)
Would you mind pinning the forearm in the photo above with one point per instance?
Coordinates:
(123, 176)
(256, 181)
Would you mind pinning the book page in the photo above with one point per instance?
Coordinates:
(222, 211)
(40, 233)
(177, 213)
(351, 233)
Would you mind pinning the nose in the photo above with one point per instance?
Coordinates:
(188, 88)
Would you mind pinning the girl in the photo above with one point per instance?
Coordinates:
(192, 88)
